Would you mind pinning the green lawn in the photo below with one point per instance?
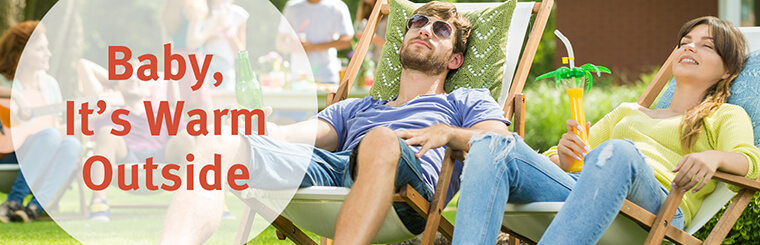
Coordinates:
(49, 232)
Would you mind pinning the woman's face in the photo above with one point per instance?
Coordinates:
(37, 55)
(697, 58)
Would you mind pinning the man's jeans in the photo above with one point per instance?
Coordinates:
(273, 163)
(501, 169)
(48, 161)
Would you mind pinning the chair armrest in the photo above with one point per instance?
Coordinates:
(737, 180)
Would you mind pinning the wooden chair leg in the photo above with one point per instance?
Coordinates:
(664, 217)
(514, 241)
(290, 230)
(730, 216)
(284, 226)
(516, 236)
(519, 118)
(436, 207)
(82, 202)
(245, 226)
(325, 241)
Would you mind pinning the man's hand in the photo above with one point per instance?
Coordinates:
(571, 146)
(695, 169)
(307, 46)
(429, 138)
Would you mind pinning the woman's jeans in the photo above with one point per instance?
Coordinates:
(47, 163)
(501, 169)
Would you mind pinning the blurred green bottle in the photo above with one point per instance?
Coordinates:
(247, 88)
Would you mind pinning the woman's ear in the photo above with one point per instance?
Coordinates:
(725, 76)
(456, 61)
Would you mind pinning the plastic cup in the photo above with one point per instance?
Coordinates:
(578, 114)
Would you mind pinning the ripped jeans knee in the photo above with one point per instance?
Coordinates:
(492, 143)
(489, 150)
(615, 150)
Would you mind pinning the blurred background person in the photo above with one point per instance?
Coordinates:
(184, 26)
(47, 157)
(227, 41)
(323, 27)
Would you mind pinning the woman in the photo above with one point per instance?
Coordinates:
(47, 159)
(227, 41)
(183, 23)
(680, 146)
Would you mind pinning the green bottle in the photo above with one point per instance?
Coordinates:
(247, 88)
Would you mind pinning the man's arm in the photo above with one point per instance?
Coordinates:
(5, 92)
(456, 138)
(302, 132)
(342, 42)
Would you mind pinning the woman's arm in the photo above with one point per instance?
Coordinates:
(697, 168)
(90, 75)
(197, 33)
(733, 150)
(5, 92)
(238, 41)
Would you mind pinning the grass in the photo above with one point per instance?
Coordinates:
(135, 226)
(127, 226)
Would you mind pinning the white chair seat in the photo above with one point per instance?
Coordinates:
(316, 209)
(532, 219)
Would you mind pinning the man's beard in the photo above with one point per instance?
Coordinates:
(430, 64)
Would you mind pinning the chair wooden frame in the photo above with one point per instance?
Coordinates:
(659, 225)
(432, 211)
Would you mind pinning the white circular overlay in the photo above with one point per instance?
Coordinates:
(143, 93)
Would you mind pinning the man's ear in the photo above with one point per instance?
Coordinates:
(456, 61)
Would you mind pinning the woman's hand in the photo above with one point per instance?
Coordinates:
(695, 169)
(571, 146)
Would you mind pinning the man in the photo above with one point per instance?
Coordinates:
(374, 139)
(318, 23)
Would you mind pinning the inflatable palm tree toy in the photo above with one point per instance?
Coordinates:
(574, 80)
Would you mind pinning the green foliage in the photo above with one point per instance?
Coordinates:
(35, 9)
(547, 108)
(745, 231)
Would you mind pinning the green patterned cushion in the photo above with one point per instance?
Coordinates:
(483, 60)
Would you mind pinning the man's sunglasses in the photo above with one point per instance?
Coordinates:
(441, 29)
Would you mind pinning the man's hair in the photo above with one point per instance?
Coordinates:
(447, 11)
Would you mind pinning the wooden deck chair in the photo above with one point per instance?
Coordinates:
(316, 208)
(635, 225)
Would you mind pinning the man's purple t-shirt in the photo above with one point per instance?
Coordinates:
(353, 118)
